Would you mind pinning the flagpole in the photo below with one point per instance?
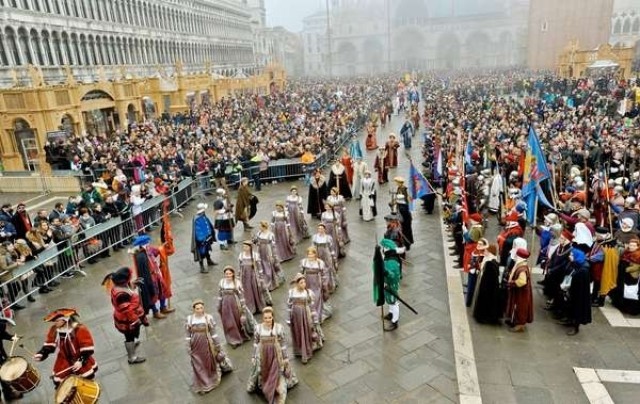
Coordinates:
(533, 229)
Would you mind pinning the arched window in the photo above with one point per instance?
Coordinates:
(45, 6)
(57, 49)
(35, 46)
(69, 49)
(12, 44)
(77, 58)
(626, 28)
(23, 39)
(46, 46)
(36, 5)
(636, 25)
(4, 55)
(617, 27)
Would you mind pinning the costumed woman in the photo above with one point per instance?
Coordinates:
(338, 179)
(579, 293)
(486, 299)
(331, 221)
(128, 313)
(402, 202)
(298, 222)
(368, 191)
(285, 243)
(74, 343)
(340, 208)
(306, 333)
(256, 294)
(317, 194)
(325, 250)
(316, 274)
(625, 295)
(382, 166)
(359, 168)
(265, 241)
(208, 359)
(153, 289)
(237, 321)
(271, 372)
(371, 143)
(355, 150)
(391, 148)
(347, 162)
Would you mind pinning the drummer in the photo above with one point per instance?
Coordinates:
(7, 392)
(74, 343)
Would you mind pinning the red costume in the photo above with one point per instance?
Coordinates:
(74, 343)
(381, 167)
(520, 298)
(371, 143)
(347, 162)
(391, 148)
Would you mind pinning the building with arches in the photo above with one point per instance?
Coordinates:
(371, 36)
(93, 66)
(625, 27)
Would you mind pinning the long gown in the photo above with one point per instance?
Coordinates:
(306, 333)
(359, 169)
(299, 226)
(273, 275)
(315, 271)
(317, 194)
(326, 252)
(486, 299)
(208, 360)
(331, 221)
(237, 321)
(391, 147)
(340, 209)
(281, 229)
(347, 162)
(256, 295)
(338, 179)
(520, 299)
(371, 142)
(270, 374)
(368, 208)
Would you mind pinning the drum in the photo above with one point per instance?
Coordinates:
(77, 390)
(19, 374)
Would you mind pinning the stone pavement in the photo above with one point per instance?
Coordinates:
(358, 364)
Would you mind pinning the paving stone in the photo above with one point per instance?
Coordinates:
(532, 395)
(417, 376)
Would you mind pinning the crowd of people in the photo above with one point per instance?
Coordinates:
(475, 130)
(476, 145)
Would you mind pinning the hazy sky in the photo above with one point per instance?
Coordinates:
(289, 13)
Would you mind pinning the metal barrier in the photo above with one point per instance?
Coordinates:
(84, 247)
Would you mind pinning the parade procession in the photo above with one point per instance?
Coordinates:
(226, 211)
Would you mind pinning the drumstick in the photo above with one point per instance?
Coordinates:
(28, 351)
(62, 371)
(13, 347)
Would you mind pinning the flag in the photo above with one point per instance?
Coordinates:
(439, 163)
(418, 185)
(378, 277)
(535, 171)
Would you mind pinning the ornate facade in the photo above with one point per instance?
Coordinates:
(370, 36)
(575, 62)
(92, 66)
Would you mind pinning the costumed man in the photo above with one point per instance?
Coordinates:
(244, 203)
(391, 148)
(338, 178)
(74, 343)
(359, 169)
(318, 193)
(128, 314)
(382, 166)
(471, 235)
(8, 392)
(520, 297)
(392, 275)
(223, 219)
(406, 133)
(153, 289)
(202, 237)
(393, 232)
(402, 201)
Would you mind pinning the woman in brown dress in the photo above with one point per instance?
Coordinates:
(306, 333)
(256, 293)
(520, 299)
(208, 360)
(237, 321)
(271, 371)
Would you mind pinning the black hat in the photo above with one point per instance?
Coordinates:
(602, 230)
(119, 277)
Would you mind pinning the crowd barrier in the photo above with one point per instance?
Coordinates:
(83, 247)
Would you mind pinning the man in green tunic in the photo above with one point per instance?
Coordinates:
(391, 279)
